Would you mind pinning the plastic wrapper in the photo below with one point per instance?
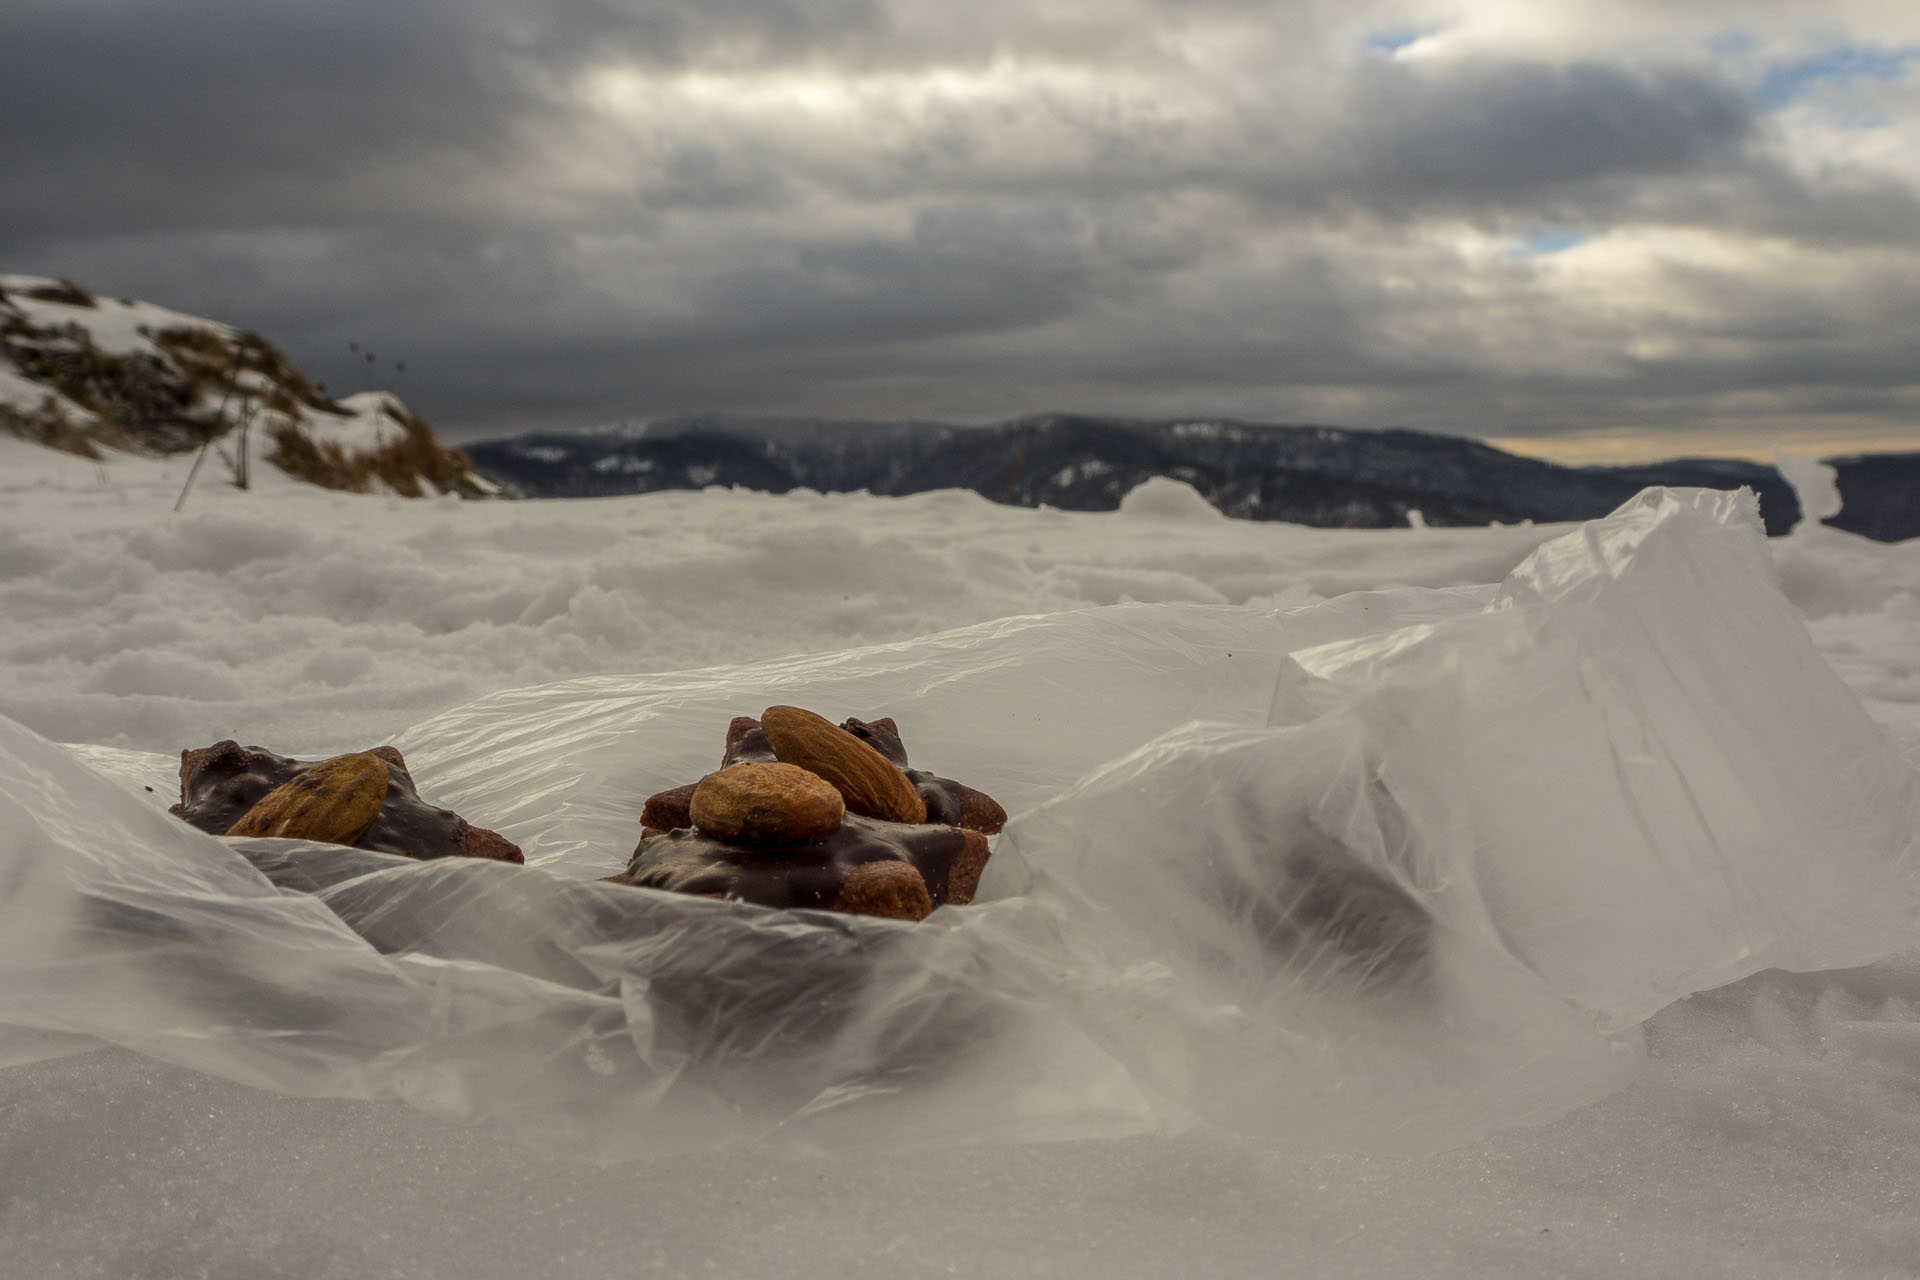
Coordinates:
(1384, 873)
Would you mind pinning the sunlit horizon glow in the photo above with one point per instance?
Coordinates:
(1629, 447)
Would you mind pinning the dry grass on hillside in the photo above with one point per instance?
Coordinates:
(411, 459)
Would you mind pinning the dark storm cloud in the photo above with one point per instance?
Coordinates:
(228, 112)
(1763, 197)
(1490, 137)
(1497, 138)
(233, 113)
(561, 212)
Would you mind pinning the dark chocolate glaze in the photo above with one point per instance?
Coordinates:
(747, 744)
(811, 874)
(882, 735)
(221, 782)
(956, 804)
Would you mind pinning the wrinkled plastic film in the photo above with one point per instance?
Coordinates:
(1386, 873)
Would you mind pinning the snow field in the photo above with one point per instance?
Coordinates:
(1772, 1129)
(317, 620)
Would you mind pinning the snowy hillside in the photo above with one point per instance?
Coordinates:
(84, 373)
(1328, 477)
(545, 665)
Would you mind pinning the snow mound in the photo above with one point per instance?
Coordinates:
(1814, 482)
(1386, 873)
(1165, 498)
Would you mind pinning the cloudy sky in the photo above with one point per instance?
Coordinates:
(1597, 226)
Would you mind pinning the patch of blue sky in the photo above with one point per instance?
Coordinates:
(1781, 83)
(1552, 240)
(1391, 40)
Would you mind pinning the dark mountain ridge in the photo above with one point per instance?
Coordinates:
(1313, 475)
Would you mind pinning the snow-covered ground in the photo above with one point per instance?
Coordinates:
(1772, 1129)
(318, 619)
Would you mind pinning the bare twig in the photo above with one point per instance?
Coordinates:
(205, 445)
(240, 472)
(219, 415)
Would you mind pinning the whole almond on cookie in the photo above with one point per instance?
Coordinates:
(333, 802)
(872, 785)
(769, 804)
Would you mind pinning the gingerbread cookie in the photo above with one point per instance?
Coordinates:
(763, 829)
(366, 800)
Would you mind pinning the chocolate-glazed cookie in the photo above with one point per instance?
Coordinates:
(222, 783)
(867, 865)
(864, 867)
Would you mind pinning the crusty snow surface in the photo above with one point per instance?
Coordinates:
(1773, 1130)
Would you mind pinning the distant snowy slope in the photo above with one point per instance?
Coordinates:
(1324, 476)
(83, 373)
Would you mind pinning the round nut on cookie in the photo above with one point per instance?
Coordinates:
(768, 804)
